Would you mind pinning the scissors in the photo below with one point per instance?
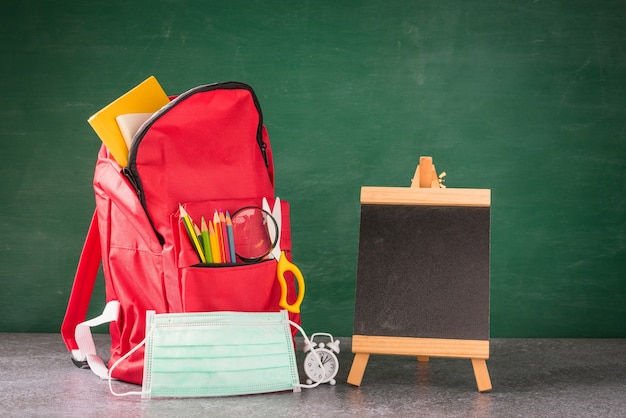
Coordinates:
(284, 265)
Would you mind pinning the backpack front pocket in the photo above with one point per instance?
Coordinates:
(244, 287)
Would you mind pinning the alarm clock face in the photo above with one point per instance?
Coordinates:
(315, 372)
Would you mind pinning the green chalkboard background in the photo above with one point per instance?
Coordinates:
(527, 98)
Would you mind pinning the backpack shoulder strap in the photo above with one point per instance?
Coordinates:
(84, 281)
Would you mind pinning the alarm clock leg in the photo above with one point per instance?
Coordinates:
(358, 368)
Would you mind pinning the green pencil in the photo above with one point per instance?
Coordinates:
(206, 242)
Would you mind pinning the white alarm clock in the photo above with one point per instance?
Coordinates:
(327, 355)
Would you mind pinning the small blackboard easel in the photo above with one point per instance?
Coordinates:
(423, 274)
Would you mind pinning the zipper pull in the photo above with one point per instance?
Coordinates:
(131, 178)
(264, 153)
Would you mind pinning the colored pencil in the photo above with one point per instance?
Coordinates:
(191, 232)
(218, 233)
(206, 241)
(231, 240)
(227, 258)
(215, 248)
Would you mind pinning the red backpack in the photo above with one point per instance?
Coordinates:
(206, 150)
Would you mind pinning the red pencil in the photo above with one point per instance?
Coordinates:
(224, 244)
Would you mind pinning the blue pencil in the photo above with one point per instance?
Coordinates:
(231, 240)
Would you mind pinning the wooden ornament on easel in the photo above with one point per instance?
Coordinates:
(400, 307)
(426, 175)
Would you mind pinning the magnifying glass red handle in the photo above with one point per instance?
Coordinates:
(284, 266)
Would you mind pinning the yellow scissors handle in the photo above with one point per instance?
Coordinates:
(284, 266)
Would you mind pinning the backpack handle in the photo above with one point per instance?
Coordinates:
(82, 289)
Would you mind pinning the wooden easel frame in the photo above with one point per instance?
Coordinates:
(423, 348)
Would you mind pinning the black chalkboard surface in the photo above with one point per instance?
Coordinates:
(423, 271)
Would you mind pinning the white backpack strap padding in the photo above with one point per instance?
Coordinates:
(84, 339)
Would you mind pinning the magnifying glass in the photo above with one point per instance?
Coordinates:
(252, 227)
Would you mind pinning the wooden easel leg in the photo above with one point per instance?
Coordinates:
(482, 374)
(422, 359)
(358, 368)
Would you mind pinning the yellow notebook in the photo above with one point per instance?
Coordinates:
(147, 97)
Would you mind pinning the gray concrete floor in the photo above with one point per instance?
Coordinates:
(530, 377)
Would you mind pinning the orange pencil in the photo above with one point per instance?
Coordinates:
(218, 233)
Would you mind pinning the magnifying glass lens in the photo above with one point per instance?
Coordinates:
(251, 233)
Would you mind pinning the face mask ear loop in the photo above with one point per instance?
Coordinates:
(124, 357)
(319, 361)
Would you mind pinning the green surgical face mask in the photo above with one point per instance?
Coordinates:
(218, 354)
